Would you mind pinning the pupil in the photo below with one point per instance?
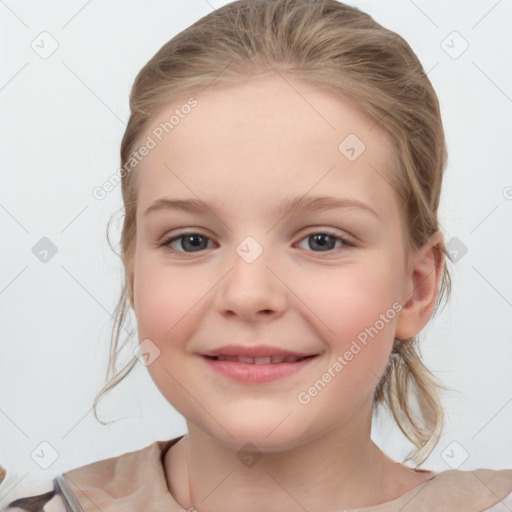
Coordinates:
(193, 240)
(320, 240)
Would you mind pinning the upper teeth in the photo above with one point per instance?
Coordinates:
(259, 360)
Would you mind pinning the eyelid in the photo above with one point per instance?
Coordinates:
(167, 239)
(310, 230)
(346, 240)
(335, 233)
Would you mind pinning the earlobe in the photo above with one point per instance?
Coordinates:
(421, 288)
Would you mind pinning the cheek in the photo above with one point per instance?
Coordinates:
(352, 308)
(165, 313)
(356, 321)
(164, 301)
(354, 295)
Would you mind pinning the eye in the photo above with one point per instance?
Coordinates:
(189, 240)
(325, 241)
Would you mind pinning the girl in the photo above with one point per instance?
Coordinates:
(281, 176)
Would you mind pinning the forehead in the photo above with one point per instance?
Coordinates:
(262, 139)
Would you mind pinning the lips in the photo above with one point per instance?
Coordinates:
(254, 352)
(259, 360)
(256, 364)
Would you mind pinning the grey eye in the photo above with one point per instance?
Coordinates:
(321, 242)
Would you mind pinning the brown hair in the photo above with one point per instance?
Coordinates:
(343, 49)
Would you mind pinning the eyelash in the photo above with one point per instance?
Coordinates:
(166, 243)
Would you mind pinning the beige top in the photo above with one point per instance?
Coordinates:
(136, 481)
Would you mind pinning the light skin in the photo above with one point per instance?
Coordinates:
(247, 147)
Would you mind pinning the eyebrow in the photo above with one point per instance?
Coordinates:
(299, 203)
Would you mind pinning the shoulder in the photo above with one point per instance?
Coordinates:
(478, 490)
(74, 489)
(120, 467)
(53, 499)
(136, 478)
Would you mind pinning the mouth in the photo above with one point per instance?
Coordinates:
(257, 370)
(260, 360)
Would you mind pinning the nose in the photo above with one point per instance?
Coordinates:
(252, 289)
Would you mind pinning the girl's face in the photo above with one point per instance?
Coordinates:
(255, 273)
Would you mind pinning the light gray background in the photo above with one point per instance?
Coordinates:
(63, 119)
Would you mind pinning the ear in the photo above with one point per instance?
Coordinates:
(421, 286)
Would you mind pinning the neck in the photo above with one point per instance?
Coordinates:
(339, 470)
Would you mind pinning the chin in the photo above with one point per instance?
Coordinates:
(260, 436)
(259, 443)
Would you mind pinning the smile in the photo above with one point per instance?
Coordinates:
(258, 369)
(260, 360)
